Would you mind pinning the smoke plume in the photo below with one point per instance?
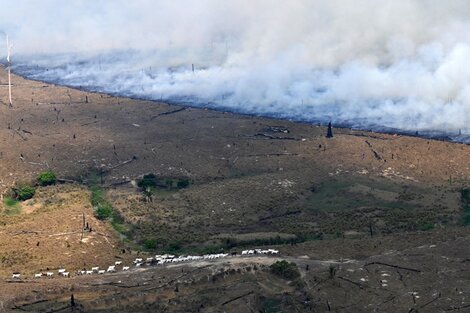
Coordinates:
(387, 64)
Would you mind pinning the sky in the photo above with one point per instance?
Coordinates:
(366, 63)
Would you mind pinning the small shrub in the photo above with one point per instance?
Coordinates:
(174, 246)
(10, 202)
(150, 243)
(47, 178)
(285, 269)
(104, 211)
(426, 226)
(169, 182)
(23, 192)
(149, 180)
(182, 183)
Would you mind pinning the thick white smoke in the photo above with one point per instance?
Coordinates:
(368, 63)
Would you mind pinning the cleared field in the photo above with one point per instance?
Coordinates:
(252, 182)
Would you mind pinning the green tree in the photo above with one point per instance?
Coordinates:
(149, 180)
(285, 269)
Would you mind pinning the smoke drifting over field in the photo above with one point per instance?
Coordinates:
(367, 63)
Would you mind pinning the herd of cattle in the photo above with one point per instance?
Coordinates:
(157, 260)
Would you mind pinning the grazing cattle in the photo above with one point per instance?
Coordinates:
(89, 272)
(138, 260)
(101, 271)
(125, 268)
(138, 264)
(39, 275)
(61, 270)
(82, 272)
(118, 263)
(49, 274)
(95, 269)
(111, 269)
(66, 274)
(16, 275)
(149, 260)
(244, 252)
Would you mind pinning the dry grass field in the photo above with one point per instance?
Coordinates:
(253, 181)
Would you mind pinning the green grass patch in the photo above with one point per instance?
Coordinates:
(105, 211)
(271, 306)
(10, 202)
(465, 197)
(12, 206)
(336, 196)
(426, 226)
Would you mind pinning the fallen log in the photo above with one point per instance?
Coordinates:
(239, 297)
(168, 113)
(394, 266)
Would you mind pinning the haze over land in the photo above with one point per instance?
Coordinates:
(393, 64)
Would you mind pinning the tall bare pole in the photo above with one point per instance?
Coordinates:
(9, 46)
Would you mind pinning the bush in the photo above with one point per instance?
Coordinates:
(23, 192)
(104, 211)
(182, 183)
(10, 202)
(47, 178)
(150, 243)
(169, 182)
(149, 180)
(285, 269)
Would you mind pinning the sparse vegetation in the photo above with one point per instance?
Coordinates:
(465, 196)
(150, 243)
(47, 178)
(182, 183)
(285, 269)
(10, 202)
(11, 206)
(23, 192)
(148, 181)
(103, 209)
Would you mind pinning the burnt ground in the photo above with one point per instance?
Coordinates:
(379, 200)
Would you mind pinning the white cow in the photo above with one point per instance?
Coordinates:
(89, 272)
(16, 275)
(95, 269)
(101, 271)
(125, 268)
(61, 270)
(49, 274)
(111, 269)
(118, 263)
(66, 274)
(39, 275)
